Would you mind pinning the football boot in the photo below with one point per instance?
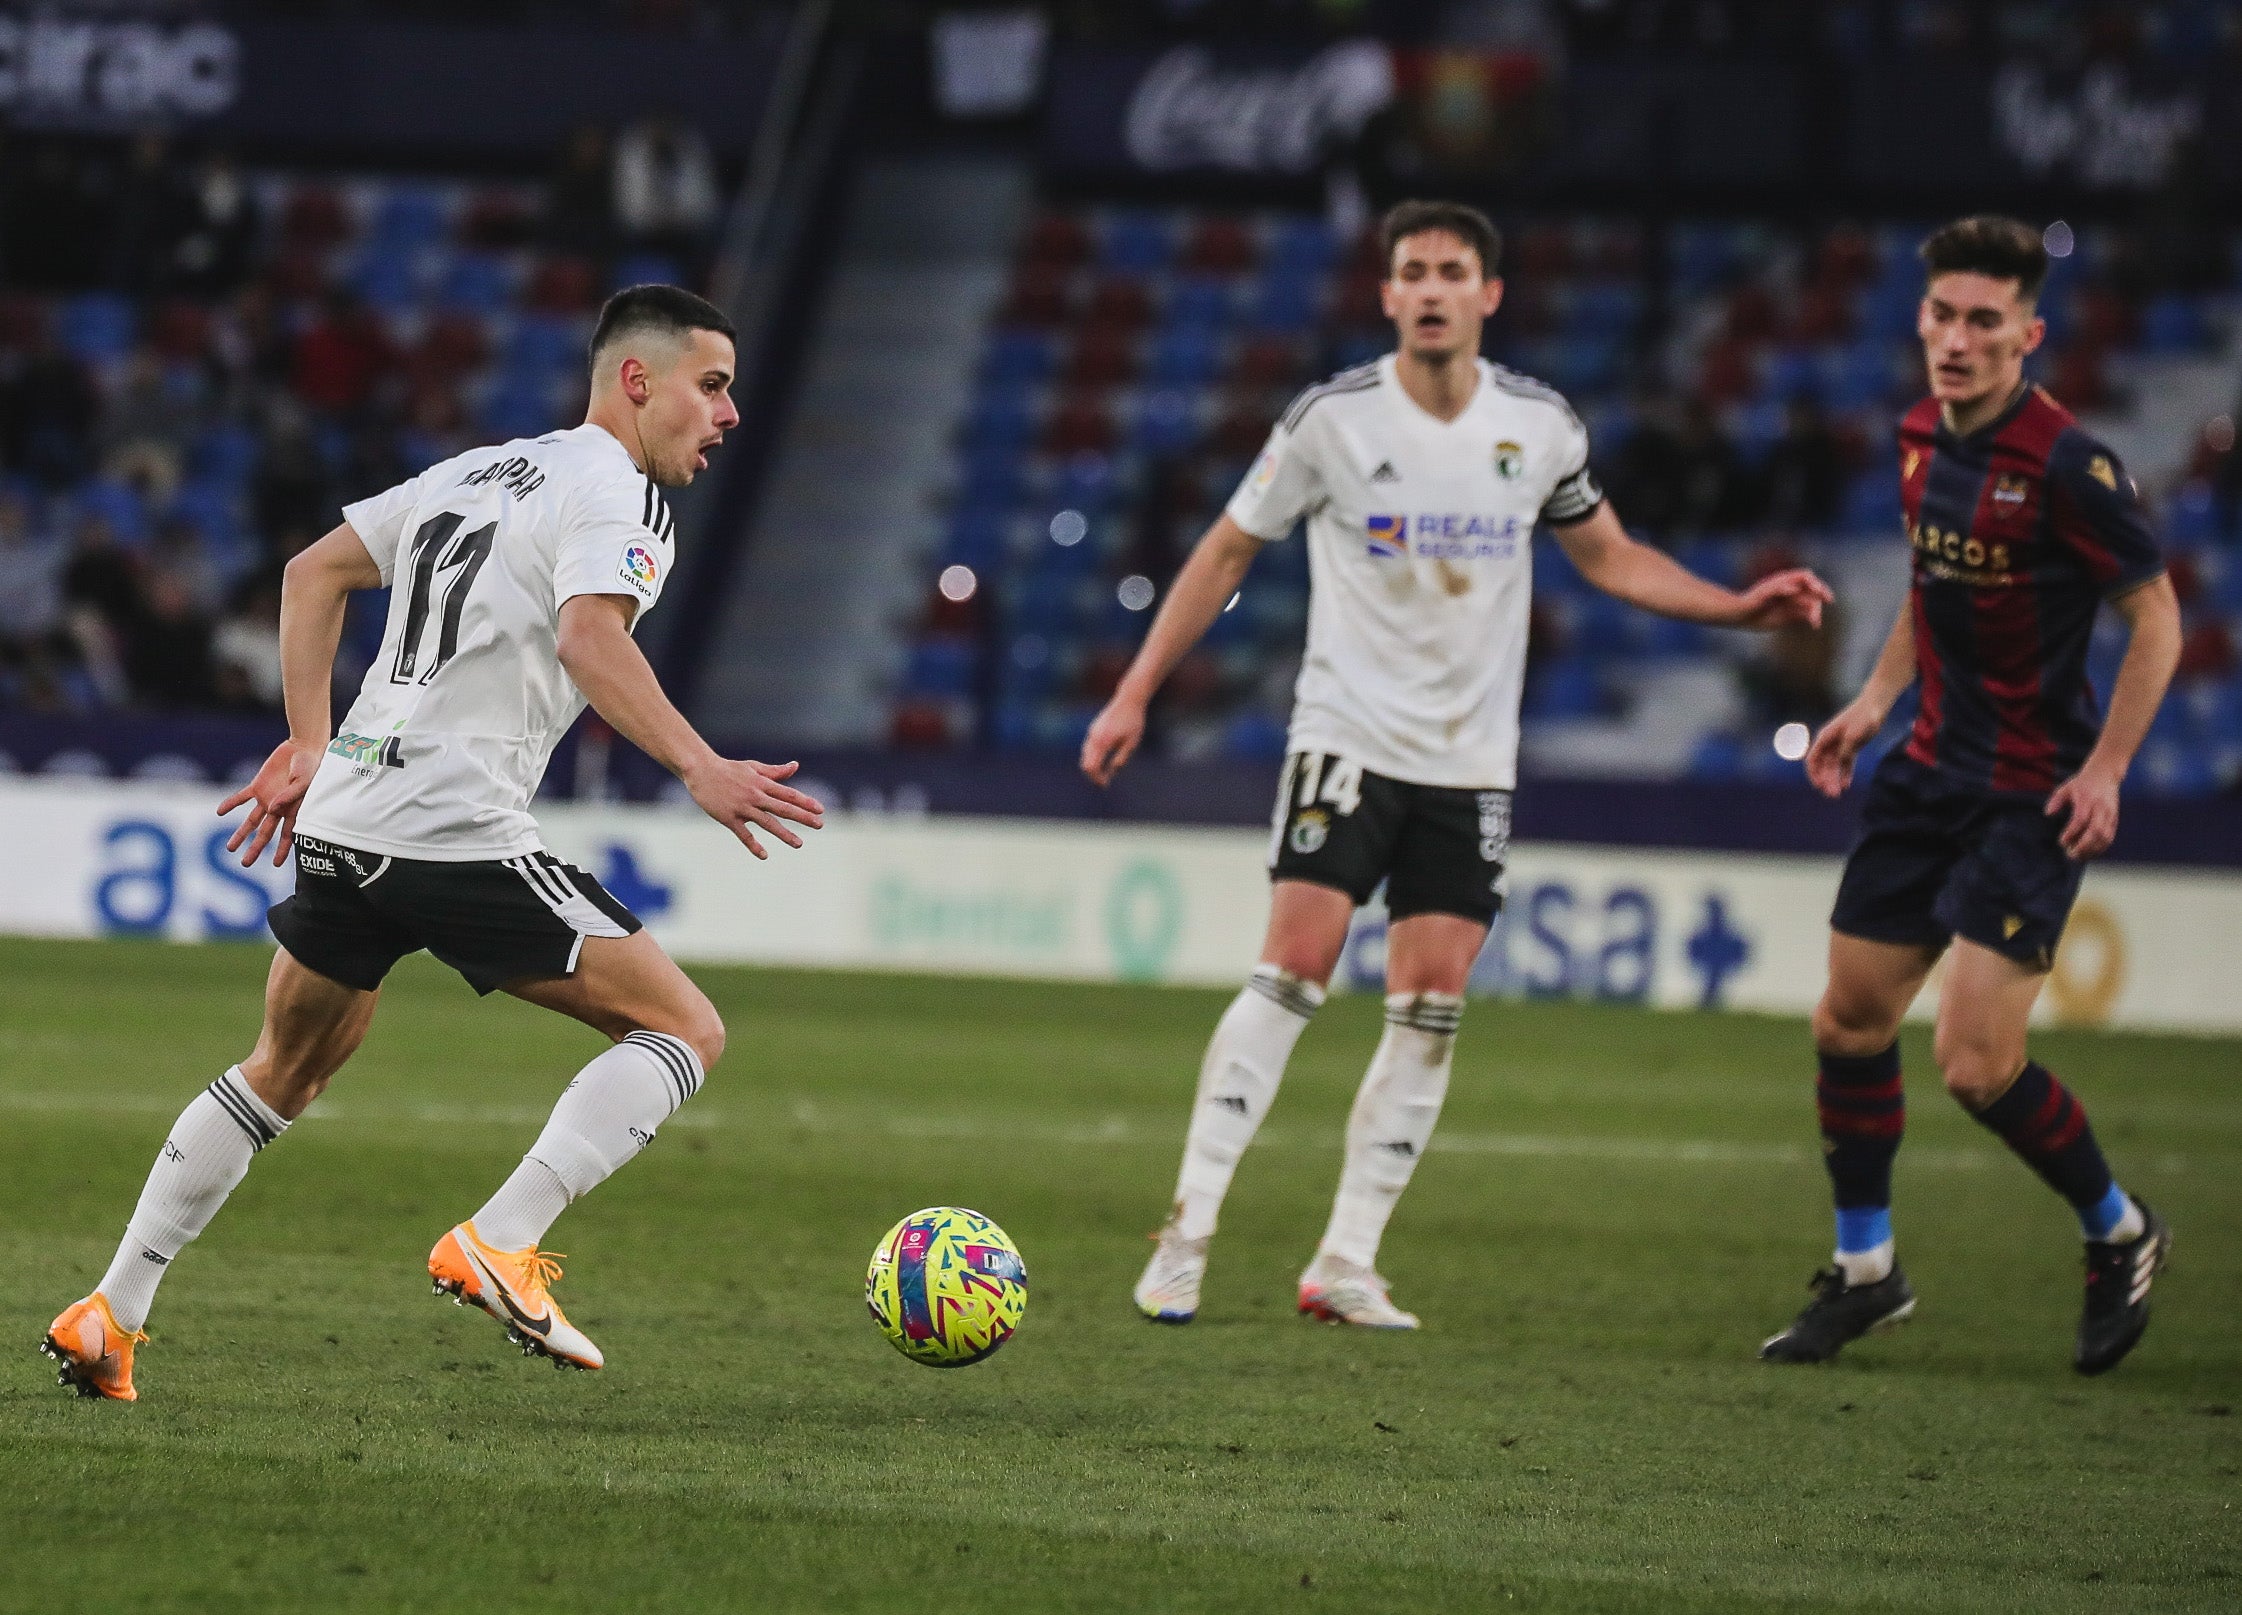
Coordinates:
(1169, 1290)
(2118, 1277)
(515, 1287)
(1339, 1291)
(1839, 1314)
(93, 1355)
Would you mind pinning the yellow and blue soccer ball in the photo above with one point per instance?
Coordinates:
(946, 1287)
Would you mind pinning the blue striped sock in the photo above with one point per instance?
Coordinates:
(2105, 1214)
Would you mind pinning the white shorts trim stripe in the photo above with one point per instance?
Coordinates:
(583, 916)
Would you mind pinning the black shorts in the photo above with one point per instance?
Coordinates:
(1440, 849)
(357, 913)
(1936, 860)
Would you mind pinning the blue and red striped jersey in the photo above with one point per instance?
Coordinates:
(2020, 531)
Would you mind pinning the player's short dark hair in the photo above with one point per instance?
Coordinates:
(1467, 224)
(670, 310)
(1989, 244)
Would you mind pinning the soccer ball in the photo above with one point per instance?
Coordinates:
(946, 1287)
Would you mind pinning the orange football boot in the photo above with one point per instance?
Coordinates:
(95, 1355)
(515, 1288)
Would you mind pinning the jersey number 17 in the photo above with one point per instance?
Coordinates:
(440, 570)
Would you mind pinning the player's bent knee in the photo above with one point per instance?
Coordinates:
(1850, 1027)
(701, 1027)
(1977, 1071)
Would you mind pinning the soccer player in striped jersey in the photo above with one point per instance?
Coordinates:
(1977, 831)
(517, 576)
(1423, 477)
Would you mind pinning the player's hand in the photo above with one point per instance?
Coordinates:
(1793, 595)
(275, 794)
(1829, 760)
(1114, 736)
(2090, 798)
(742, 795)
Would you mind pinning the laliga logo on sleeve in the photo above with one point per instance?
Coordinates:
(1264, 471)
(1387, 536)
(639, 569)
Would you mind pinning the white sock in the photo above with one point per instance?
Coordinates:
(1392, 1120)
(1865, 1267)
(1237, 1081)
(206, 1155)
(607, 1114)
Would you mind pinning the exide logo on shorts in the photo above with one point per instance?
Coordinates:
(1449, 537)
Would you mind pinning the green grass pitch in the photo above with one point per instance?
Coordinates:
(1620, 1205)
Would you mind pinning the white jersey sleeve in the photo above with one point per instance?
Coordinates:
(1282, 487)
(1575, 494)
(380, 521)
(616, 541)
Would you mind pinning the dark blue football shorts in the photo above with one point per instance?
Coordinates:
(1936, 860)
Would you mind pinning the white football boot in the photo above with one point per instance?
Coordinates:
(1339, 1291)
(1169, 1290)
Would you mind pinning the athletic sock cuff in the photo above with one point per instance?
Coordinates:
(1440, 1013)
(1294, 994)
(258, 1120)
(680, 1066)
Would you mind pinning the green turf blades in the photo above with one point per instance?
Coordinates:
(1618, 1208)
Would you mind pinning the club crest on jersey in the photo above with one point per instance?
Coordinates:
(1310, 827)
(1510, 460)
(1387, 536)
(2011, 491)
(640, 569)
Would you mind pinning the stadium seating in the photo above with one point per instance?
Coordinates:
(1140, 355)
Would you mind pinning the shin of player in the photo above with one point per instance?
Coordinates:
(1975, 834)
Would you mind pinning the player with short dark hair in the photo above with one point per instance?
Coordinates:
(1976, 832)
(517, 576)
(1422, 477)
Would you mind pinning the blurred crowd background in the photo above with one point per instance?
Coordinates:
(211, 336)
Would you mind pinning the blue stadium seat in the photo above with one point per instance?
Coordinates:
(2174, 323)
(992, 472)
(1360, 347)
(544, 344)
(645, 269)
(2191, 516)
(1791, 373)
(387, 276)
(1564, 687)
(1303, 247)
(1017, 356)
(1720, 561)
(476, 283)
(1856, 377)
(1185, 356)
(1198, 300)
(212, 509)
(1137, 242)
(1286, 302)
(519, 406)
(96, 327)
(411, 216)
(941, 668)
(1013, 728)
(1168, 421)
(1254, 737)
(117, 503)
(226, 453)
(1872, 502)
(1086, 483)
(1000, 416)
(977, 539)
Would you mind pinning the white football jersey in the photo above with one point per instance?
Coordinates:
(1419, 546)
(460, 712)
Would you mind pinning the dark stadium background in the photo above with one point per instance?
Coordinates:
(1021, 288)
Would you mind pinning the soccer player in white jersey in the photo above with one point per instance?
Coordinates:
(1422, 477)
(517, 576)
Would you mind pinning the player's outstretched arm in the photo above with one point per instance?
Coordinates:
(2152, 653)
(1829, 761)
(1208, 579)
(313, 592)
(1652, 579)
(597, 650)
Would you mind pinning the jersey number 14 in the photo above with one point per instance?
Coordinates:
(440, 569)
